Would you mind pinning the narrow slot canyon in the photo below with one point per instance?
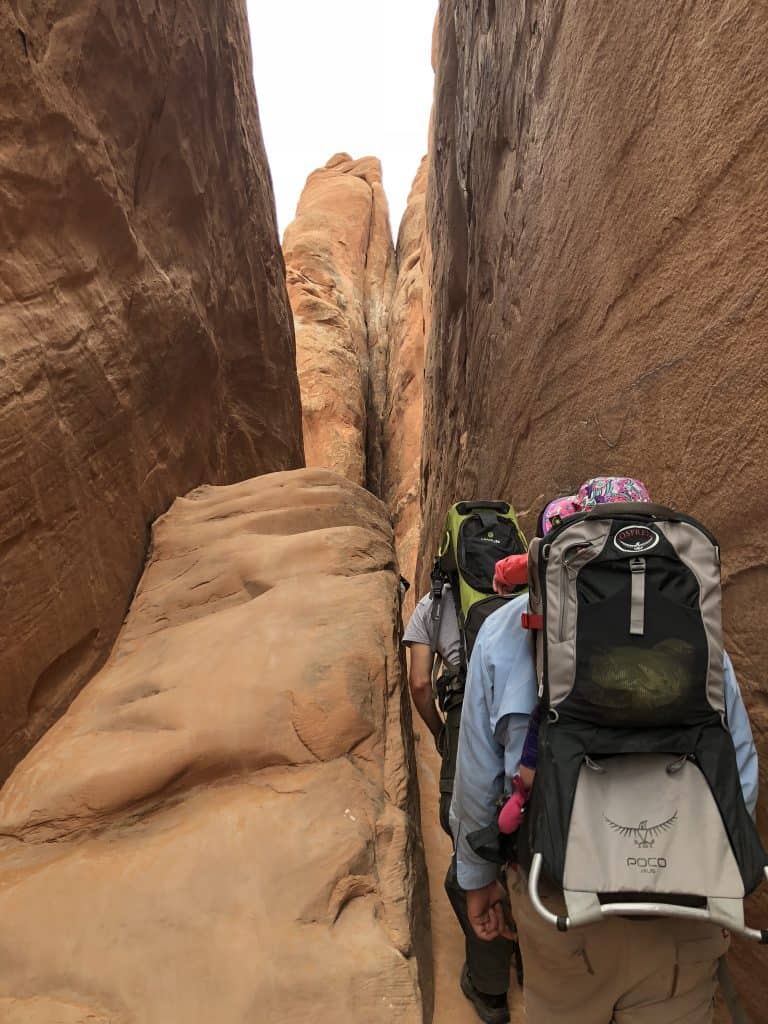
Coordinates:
(339, 258)
(220, 451)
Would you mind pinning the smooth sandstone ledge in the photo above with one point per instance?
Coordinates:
(223, 825)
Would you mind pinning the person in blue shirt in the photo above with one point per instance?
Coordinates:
(581, 976)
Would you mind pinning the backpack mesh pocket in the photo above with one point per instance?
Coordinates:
(645, 680)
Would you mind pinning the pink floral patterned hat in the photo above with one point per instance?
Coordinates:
(600, 490)
(556, 511)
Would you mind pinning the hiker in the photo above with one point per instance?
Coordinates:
(440, 633)
(623, 969)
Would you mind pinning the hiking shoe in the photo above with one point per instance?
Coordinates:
(491, 1009)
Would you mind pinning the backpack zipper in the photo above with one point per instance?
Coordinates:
(566, 575)
(564, 586)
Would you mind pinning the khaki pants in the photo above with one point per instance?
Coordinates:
(654, 971)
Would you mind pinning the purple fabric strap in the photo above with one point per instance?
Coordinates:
(531, 744)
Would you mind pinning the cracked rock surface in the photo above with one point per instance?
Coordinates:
(402, 423)
(146, 343)
(238, 779)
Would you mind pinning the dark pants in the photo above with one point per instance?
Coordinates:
(488, 962)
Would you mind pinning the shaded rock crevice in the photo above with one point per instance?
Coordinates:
(360, 311)
(403, 409)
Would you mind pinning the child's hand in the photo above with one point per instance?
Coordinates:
(511, 814)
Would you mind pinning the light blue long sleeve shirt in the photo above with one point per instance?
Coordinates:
(500, 694)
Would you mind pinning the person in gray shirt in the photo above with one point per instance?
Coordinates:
(486, 972)
(426, 639)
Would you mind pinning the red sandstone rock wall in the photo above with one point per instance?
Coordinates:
(145, 336)
(341, 274)
(405, 375)
(222, 825)
(599, 222)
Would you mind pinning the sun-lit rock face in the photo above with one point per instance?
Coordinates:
(599, 224)
(222, 825)
(403, 411)
(145, 335)
(341, 274)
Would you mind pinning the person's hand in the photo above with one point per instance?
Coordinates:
(485, 909)
(500, 588)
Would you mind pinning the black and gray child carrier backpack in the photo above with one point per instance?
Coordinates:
(637, 806)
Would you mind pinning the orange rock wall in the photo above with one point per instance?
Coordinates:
(341, 274)
(222, 825)
(599, 224)
(405, 375)
(146, 342)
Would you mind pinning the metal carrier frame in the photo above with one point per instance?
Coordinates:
(594, 911)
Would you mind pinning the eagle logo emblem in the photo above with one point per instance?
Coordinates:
(644, 835)
(636, 539)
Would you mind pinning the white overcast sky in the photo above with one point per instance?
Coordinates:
(342, 76)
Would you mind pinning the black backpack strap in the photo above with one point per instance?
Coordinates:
(439, 666)
(487, 519)
(449, 688)
(462, 634)
(438, 580)
(449, 683)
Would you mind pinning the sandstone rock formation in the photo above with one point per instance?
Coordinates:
(405, 375)
(146, 336)
(341, 273)
(221, 826)
(599, 227)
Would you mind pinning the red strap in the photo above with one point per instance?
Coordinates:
(532, 621)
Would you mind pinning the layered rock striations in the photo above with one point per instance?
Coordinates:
(145, 335)
(599, 228)
(341, 274)
(402, 424)
(222, 825)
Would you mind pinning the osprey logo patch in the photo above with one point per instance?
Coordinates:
(644, 835)
(636, 539)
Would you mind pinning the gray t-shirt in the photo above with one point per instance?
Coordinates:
(421, 628)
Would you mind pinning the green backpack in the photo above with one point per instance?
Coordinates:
(477, 535)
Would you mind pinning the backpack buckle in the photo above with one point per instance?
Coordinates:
(530, 621)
